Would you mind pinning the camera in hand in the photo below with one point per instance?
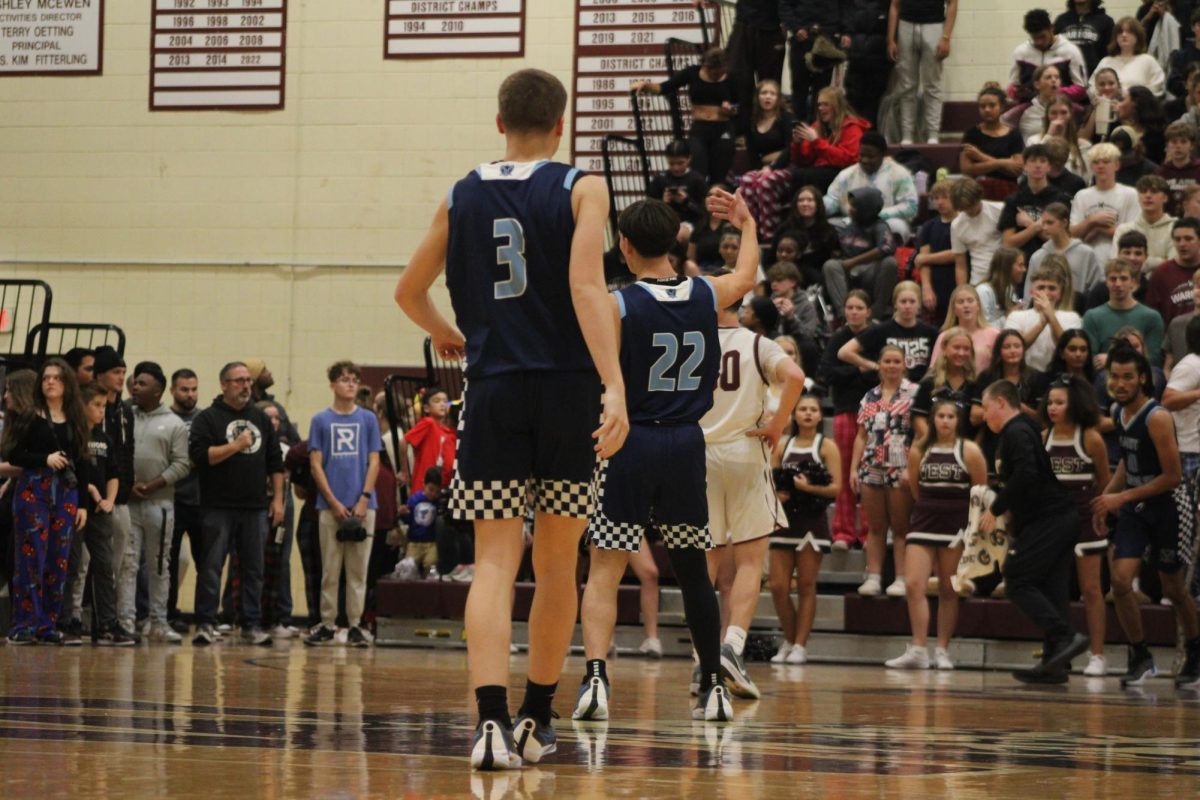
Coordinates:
(351, 530)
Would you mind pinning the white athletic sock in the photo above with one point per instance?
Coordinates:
(736, 637)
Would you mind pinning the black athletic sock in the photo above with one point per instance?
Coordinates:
(700, 605)
(492, 702)
(538, 699)
(596, 668)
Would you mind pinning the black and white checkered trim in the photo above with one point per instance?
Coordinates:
(565, 498)
(609, 535)
(682, 536)
(470, 500)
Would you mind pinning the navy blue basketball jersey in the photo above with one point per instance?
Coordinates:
(507, 268)
(1137, 448)
(670, 353)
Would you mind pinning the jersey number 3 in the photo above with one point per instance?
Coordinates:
(512, 255)
(688, 381)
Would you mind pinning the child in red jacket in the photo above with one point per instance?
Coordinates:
(433, 441)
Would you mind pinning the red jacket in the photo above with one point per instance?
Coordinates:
(822, 153)
(433, 445)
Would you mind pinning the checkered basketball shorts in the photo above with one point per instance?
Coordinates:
(471, 500)
(609, 535)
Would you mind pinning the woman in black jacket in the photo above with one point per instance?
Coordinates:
(50, 445)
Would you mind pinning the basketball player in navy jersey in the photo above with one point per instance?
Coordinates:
(1142, 495)
(521, 241)
(670, 358)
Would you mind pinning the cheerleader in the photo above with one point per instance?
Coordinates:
(807, 479)
(1079, 458)
(945, 466)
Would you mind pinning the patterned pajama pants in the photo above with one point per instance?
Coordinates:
(44, 521)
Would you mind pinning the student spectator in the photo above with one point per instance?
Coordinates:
(1005, 285)
(913, 337)
(761, 316)
(1182, 399)
(1192, 113)
(1183, 63)
(50, 444)
(847, 383)
(81, 360)
(1134, 164)
(1058, 176)
(877, 170)
(424, 512)
(1151, 12)
(1088, 26)
(974, 235)
(919, 34)
(1028, 117)
(1127, 56)
(681, 187)
(308, 541)
(1142, 111)
(1008, 363)
(713, 95)
(1043, 48)
(1059, 123)
(951, 374)
(966, 312)
(344, 446)
(432, 439)
(755, 47)
(878, 467)
(806, 21)
(1020, 219)
(816, 241)
(1169, 291)
(868, 68)
(1098, 210)
(1175, 344)
(867, 254)
(1191, 202)
(935, 260)
(1049, 313)
(1180, 169)
(160, 460)
(704, 242)
(234, 448)
(992, 149)
(1154, 223)
(821, 150)
(1105, 96)
(1103, 322)
(264, 380)
(1086, 269)
(185, 388)
(766, 184)
(797, 314)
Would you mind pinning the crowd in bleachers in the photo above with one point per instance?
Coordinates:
(1069, 227)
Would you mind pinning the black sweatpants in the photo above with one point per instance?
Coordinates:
(1037, 574)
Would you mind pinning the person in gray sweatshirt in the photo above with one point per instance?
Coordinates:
(1086, 269)
(160, 461)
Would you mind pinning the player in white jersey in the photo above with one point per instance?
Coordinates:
(743, 509)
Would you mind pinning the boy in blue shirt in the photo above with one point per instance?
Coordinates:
(424, 509)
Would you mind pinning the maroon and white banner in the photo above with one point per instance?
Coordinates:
(454, 28)
(217, 54)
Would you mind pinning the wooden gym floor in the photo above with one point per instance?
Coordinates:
(293, 722)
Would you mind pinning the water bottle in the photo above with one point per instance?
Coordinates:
(921, 180)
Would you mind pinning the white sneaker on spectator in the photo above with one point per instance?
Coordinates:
(933, 140)
(799, 655)
(342, 636)
(1096, 667)
(870, 588)
(785, 648)
(941, 658)
(283, 632)
(224, 628)
(458, 570)
(841, 545)
(913, 658)
(433, 574)
(466, 575)
(897, 589)
(906, 142)
(163, 633)
(651, 647)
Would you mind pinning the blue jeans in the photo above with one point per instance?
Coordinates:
(223, 529)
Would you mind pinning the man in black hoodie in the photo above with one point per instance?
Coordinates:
(1088, 26)
(235, 449)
